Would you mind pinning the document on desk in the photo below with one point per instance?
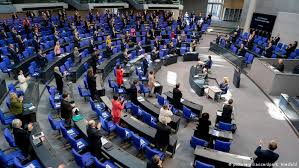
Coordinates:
(182, 100)
(215, 133)
(157, 84)
(140, 98)
(30, 166)
(219, 113)
(104, 141)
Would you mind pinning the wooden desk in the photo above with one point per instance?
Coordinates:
(221, 159)
(213, 91)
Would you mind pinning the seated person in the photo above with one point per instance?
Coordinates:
(109, 51)
(22, 136)
(154, 54)
(280, 65)
(224, 85)
(57, 49)
(241, 51)
(203, 127)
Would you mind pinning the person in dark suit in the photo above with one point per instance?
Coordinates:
(202, 129)
(265, 158)
(66, 110)
(94, 138)
(91, 46)
(280, 65)
(133, 93)
(92, 85)
(36, 44)
(109, 51)
(177, 95)
(241, 51)
(22, 136)
(162, 135)
(144, 66)
(276, 39)
(13, 54)
(268, 50)
(227, 111)
(41, 59)
(95, 58)
(58, 78)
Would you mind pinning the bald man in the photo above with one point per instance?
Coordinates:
(94, 138)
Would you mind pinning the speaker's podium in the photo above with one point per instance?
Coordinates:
(190, 56)
(237, 77)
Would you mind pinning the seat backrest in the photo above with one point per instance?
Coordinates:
(98, 164)
(63, 131)
(9, 137)
(186, 111)
(196, 141)
(17, 163)
(199, 164)
(222, 146)
(78, 158)
(80, 90)
(225, 126)
(160, 100)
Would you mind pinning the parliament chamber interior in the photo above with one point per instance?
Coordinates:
(149, 83)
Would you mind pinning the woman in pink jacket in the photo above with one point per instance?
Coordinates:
(117, 107)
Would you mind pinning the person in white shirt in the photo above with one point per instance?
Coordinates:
(165, 113)
(23, 81)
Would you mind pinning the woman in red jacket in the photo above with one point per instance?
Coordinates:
(117, 107)
(119, 76)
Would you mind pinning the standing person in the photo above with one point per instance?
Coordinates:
(66, 110)
(119, 76)
(77, 58)
(41, 59)
(57, 49)
(177, 96)
(165, 113)
(22, 136)
(23, 81)
(227, 112)
(94, 60)
(265, 158)
(203, 127)
(162, 135)
(144, 66)
(117, 107)
(94, 138)
(133, 93)
(59, 79)
(91, 82)
(13, 54)
(16, 105)
(151, 82)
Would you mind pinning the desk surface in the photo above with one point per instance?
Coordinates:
(185, 102)
(44, 151)
(117, 154)
(228, 135)
(223, 157)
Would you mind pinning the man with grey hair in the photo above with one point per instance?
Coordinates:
(94, 138)
(22, 136)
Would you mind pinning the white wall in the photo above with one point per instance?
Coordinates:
(288, 26)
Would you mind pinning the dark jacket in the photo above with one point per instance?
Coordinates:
(66, 109)
(202, 129)
(162, 135)
(13, 55)
(92, 85)
(22, 140)
(94, 140)
(177, 95)
(59, 82)
(280, 67)
(133, 93)
(227, 113)
(264, 157)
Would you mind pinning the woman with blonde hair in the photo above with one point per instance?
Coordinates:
(59, 79)
(224, 85)
(16, 105)
(23, 81)
(57, 49)
(151, 82)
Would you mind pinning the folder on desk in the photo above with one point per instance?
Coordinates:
(77, 118)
